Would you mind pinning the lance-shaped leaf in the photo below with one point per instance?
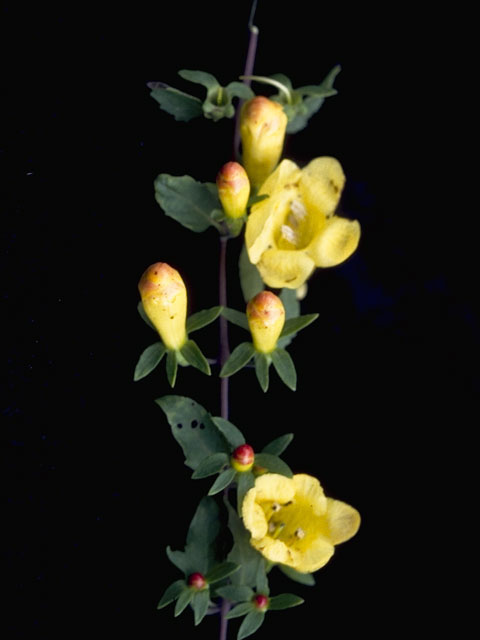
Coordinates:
(221, 571)
(277, 447)
(239, 357)
(250, 279)
(183, 601)
(172, 593)
(172, 366)
(236, 317)
(292, 310)
(245, 481)
(233, 435)
(223, 480)
(192, 428)
(182, 106)
(285, 368)
(149, 359)
(240, 610)
(200, 77)
(200, 602)
(262, 579)
(202, 318)
(179, 559)
(274, 464)
(187, 201)
(242, 552)
(262, 364)
(252, 622)
(302, 578)
(293, 325)
(201, 536)
(284, 601)
(210, 465)
(192, 354)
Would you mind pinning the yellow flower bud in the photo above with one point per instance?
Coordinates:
(164, 299)
(233, 189)
(266, 317)
(262, 127)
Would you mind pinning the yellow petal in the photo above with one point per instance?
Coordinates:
(335, 243)
(275, 550)
(284, 268)
(309, 489)
(343, 521)
(321, 185)
(273, 486)
(315, 556)
(267, 215)
(253, 515)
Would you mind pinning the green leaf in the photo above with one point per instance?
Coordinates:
(239, 90)
(232, 434)
(200, 603)
(293, 325)
(292, 310)
(223, 480)
(179, 559)
(285, 368)
(256, 198)
(192, 354)
(202, 318)
(236, 317)
(187, 201)
(273, 463)
(172, 592)
(285, 80)
(325, 88)
(239, 357)
(242, 552)
(201, 536)
(210, 465)
(200, 77)
(192, 428)
(183, 601)
(144, 316)
(303, 578)
(251, 623)
(277, 447)
(221, 571)
(262, 580)
(172, 366)
(245, 482)
(284, 601)
(240, 610)
(250, 278)
(262, 364)
(182, 106)
(149, 359)
(235, 593)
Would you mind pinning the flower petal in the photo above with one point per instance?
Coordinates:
(253, 515)
(315, 556)
(284, 268)
(273, 486)
(275, 551)
(343, 521)
(335, 243)
(321, 185)
(308, 488)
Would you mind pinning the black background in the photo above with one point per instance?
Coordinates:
(95, 485)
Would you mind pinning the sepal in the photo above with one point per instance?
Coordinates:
(239, 358)
(149, 360)
(172, 593)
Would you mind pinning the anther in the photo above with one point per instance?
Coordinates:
(298, 209)
(300, 533)
(289, 234)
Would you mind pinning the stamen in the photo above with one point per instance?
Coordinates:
(276, 506)
(298, 209)
(275, 528)
(289, 234)
(300, 533)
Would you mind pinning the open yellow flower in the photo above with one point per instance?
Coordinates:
(295, 230)
(293, 523)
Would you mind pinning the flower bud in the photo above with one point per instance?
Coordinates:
(260, 602)
(262, 127)
(233, 189)
(164, 300)
(266, 317)
(242, 458)
(196, 581)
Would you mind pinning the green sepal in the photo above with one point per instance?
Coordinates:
(144, 316)
(221, 571)
(172, 366)
(250, 279)
(245, 482)
(250, 624)
(182, 106)
(236, 593)
(234, 226)
(292, 310)
(192, 354)
(236, 317)
(302, 578)
(187, 201)
(192, 428)
(149, 360)
(200, 77)
(255, 199)
(210, 465)
(171, 593)
(202, 318)
(284, 601)
(239, 90)
(240, 356)
(223, 480)
(179, 559)
(277, 447)
(242, 552)
(200, 603)
(183, 601)
(240, 610)
(285, 368)
(274, 464)
(294, 325)
(232, 433)
(262, 365)
(262, 580)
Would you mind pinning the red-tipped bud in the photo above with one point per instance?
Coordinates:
(233, 189)
(260, 602)
(164, 300)
(266, 317)
(263, 124)
(197, 581)
(243, 457)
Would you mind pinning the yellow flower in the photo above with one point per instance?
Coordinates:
(295, 230)
(233, 189)
(293, 523)
(164, 299)
(262, 128)
(266, 317)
